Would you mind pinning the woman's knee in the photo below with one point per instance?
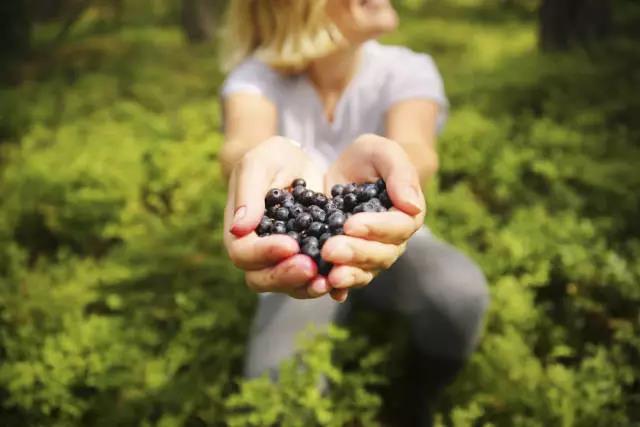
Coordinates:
(448, 299)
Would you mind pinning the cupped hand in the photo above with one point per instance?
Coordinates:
(271, 263)
(373, 241)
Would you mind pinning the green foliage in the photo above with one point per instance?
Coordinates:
(118, 305)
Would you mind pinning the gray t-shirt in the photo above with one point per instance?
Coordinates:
(387, 75)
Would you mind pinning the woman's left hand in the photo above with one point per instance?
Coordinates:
(373, 241)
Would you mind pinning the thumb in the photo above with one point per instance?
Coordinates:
(252, 182)
(401, 177)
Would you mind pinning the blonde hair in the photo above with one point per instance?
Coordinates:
(286, 34)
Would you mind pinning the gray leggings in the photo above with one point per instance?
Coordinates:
(441, 292)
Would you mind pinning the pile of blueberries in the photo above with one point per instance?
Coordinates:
(311, 218)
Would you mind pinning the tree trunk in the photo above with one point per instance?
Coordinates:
(565, 23)
(199, 19)
(15, 29)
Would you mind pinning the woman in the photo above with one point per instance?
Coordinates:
(313, 95)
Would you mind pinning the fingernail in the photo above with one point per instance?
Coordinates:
(240, 213)
(412, 197)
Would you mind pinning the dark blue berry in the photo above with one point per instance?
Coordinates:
(336, 220)
(337, 231)
(299, 182)
(367, 192)
(315, 229)
(337, 190)
(339, 202)
(317, 213)
(385, 200)
(290, 224)
(310, 240)
(274, 196)
(302, 221)
(279, 227)
(330, 206)
(312, 250)
(265, 226)
(324, 267)
(296, 210)
(323, 238)
(307, 197)
(320, 199)
(271, 212)
(380, 208)
(349, 188)
(295, 236)
(282, 214)
(370, 207)
(359, 208)
(350, 201)
(297, 192)
(380, 185)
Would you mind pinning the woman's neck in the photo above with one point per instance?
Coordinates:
(332, 74)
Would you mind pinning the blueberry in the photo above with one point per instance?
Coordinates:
(279, 227)
(282, 214)
(312, 250)
(274, 196)
(288, 203)
(297, 192)
(330, 206)
(380, 208)
(337, 190)
(375, 201)
(337, 231)
(271, 212)
(380, 185)
(302, 221)
(315, 229)
(367, 192)
(324, 229)
(296, 210)
(350, 201)
(290, 224)
(295, 236)
(349, 188)
(385, 200)
(317, 213)
(299, 183)
(370, 207)
(265, 226)
(310, 240)
(359, 208)
(336, 220)
(320, 199)
(339, 202)
(307, 197)
(324, 267)
(323, 238)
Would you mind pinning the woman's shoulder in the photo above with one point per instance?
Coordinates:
(396, 59)
(253, 75)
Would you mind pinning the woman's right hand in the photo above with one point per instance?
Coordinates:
(272, 263)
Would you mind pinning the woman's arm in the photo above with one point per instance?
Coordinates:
(412, 124)
(249, 119)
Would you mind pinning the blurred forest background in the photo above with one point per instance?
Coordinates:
(118, 306)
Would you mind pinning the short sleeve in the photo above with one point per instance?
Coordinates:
(252, 76)
(415, 76)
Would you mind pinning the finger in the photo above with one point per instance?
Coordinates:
(252, 181)
(253, 253)
(394, 227)
(339, 295)
(292, 273)
(317, 288)
(346, 276)
(365, 254)
(393, 164)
